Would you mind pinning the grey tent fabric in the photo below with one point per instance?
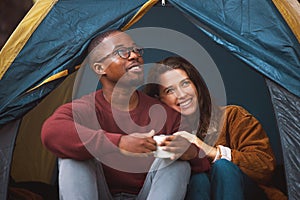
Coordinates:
(287, 110)
(7, 143)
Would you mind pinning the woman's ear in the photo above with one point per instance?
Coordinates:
(98, 69)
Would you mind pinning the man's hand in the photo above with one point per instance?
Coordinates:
(181, 147)
(138, 144)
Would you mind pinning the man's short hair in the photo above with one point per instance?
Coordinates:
(98, 39)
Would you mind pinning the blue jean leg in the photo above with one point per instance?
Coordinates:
(167, 180)
(199, 187)
(85, 180)
(228, 182)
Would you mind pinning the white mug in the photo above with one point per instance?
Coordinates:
(159, 153)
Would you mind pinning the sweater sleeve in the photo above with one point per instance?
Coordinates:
(74, 132)
(250, 145)
(199, 165)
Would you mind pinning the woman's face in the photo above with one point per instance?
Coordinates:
(178, 91)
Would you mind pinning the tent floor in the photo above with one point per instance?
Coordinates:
(32, 191)
(43, 191)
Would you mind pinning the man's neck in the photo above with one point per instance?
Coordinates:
(124, 99)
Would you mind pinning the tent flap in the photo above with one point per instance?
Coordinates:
(57, 44)
(255, 32)
(286, 106)
(8, 136)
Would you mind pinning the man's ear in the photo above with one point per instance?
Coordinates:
(99, 69)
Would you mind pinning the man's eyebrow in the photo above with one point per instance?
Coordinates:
(118, 46)
(122, 45)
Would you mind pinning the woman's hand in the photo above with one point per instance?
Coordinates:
(205, 149)
(190, 137)
(180, 146)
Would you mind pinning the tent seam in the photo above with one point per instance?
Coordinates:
(143, 10)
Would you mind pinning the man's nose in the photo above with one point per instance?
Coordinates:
(134, 54)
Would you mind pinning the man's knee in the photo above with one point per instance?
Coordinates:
(182, 167)
(65, 162)
(77, 179)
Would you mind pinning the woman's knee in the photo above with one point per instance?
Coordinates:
(224, 169)
(199, 180)
(199, 187)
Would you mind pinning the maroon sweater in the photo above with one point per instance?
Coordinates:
(76, 130)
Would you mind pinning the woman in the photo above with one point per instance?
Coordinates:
(230, 137)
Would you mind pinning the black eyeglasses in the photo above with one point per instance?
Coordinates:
(124, 52)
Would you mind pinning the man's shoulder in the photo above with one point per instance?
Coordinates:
(147, 102)
(82, 101)
(147, 98)
(152, 101)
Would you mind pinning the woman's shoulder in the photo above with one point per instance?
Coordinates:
(236, 113)
(236, 110)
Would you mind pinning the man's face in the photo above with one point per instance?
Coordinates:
(126, 70)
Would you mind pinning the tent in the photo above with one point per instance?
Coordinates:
(39, 62)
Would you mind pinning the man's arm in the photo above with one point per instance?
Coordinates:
(64, 134)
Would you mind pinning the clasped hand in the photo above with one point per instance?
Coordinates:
(138, 144)
(143, 145)
(180, 146)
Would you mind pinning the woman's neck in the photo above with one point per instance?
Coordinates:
(193, 120)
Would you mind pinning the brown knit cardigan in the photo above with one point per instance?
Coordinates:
(250, 148)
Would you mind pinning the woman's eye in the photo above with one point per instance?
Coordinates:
(169, 91)
(185, 83)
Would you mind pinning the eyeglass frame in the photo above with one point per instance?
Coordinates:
(136, 49)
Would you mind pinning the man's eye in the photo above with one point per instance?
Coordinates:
(138, 50)
(122, 52)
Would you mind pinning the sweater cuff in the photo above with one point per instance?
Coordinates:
(223, 153)
(114, 138)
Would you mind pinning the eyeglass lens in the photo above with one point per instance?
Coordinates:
(125, 52)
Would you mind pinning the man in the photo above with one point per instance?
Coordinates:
(104, 139)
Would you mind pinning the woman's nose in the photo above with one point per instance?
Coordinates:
(180, 93)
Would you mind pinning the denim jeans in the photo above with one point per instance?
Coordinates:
(85, 180)
(225, 181)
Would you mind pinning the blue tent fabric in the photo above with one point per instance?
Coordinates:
(58, 44)
(254, 31)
